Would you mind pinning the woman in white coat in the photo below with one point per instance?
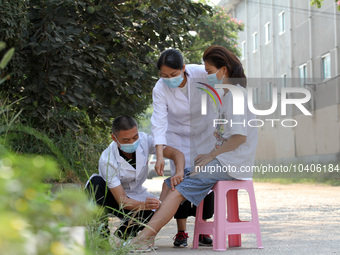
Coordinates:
(236, 150)
(177, 121)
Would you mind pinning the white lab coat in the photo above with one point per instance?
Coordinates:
(116, 171)
(177, 120)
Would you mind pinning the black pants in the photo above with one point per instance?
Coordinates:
(98, 191)
(187, 209)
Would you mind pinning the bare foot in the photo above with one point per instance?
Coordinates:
(142, 244)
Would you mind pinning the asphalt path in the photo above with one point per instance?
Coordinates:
(294, 219)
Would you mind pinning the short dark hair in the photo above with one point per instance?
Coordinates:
(220, 56)
(124, 122)
(171, 58)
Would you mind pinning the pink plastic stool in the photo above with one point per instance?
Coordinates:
(232, 226)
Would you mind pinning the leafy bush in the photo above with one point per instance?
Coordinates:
(28, 211)
(32, 219)
(89, 57)
(77, 154)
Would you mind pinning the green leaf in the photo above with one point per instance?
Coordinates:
(4, 79)
(2, 45)
(90, 9)
(7, 57)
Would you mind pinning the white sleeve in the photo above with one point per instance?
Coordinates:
(151, 144)
(159, 118)
(109, 171)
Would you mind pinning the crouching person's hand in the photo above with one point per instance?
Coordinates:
(151, 203)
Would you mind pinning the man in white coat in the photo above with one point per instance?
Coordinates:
(123, 168)
(177, 121)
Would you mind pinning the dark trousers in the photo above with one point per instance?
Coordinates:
(100, 193)
(187, 209)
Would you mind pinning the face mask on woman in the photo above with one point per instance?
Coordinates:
(212, 79)
(129, 147)
(174, 82)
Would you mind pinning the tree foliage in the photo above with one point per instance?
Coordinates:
(218, 28)
(318, 3)
(91, 60)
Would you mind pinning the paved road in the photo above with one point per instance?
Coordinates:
(294, 218)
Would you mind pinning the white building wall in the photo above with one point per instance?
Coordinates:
(310, 33)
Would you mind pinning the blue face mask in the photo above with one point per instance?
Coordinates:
(129, 147)
(212, 79)
(174, 82)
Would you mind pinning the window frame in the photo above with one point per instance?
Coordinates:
(269, 91)
(284, 81)
(255, 42)
(324, 57)
(267, 27)
(243, 50)
(282, 22)
(305, 74)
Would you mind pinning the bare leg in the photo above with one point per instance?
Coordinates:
(161, 217)
(164, 193)
(181, 224)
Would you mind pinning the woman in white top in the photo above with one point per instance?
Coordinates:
(235, 148)
(177, 118)
(177, 121)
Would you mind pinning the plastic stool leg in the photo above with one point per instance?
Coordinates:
(222, 226)
(199, 217)
(233, 216)
(220, 242)
(255, 216)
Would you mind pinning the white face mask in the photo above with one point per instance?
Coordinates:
(174, 82)
(129, 147)
(212, 79)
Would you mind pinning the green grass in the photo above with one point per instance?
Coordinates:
(307, 173)
(76, 154)
(331, 182)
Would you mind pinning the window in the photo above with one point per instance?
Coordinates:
(326, 66)
(268, 32)
(284, 81)
(282, 22)
(255, 42)
(269, 91)
(303, 74)
(255, 96)
(243, 50)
